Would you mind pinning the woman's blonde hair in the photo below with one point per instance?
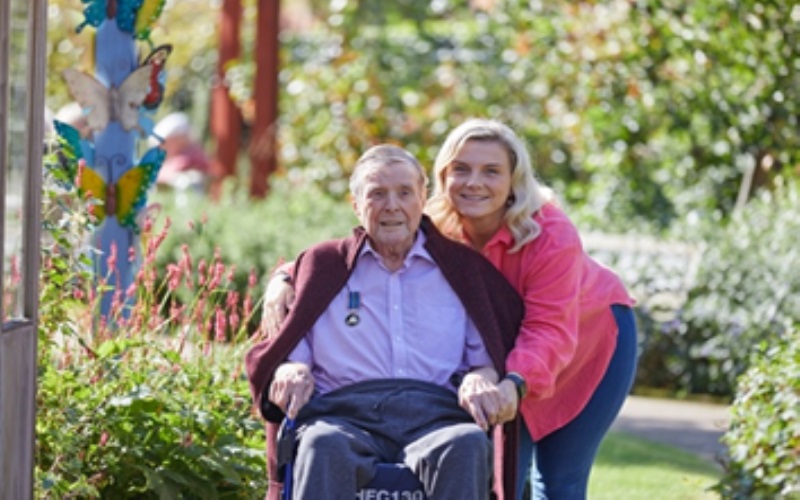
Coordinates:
(527, 194)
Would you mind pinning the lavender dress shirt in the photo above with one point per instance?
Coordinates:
(410, 324)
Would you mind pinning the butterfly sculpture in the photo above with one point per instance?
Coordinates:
(103, 104)
(147, 15)
(123, 199)
(132, 16)
(72, 148)
(157, 59)
(124, 11)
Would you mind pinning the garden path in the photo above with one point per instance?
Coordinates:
(693, 426)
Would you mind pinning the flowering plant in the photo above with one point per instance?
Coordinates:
(149, 400)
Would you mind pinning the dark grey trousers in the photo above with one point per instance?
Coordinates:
(341, 436)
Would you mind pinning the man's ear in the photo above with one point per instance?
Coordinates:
(354, 204)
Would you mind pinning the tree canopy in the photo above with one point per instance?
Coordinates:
(637, 112)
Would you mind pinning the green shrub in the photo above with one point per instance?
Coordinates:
(644, 111)
(255, 235)
(133, 419)
(764, 436)
(149, 401)
(747, 291)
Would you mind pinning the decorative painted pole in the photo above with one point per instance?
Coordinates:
(115, 60)
(116, 100)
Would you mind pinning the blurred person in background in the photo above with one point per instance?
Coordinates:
(186, 166)
(72, 114)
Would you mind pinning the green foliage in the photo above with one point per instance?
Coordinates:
(151, 400)
(746, 292)
(764, 435)
(639, 113)
(135, 420)
(255, 235)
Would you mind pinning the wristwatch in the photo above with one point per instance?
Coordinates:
(519, 383)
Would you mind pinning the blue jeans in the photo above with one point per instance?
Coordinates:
(560, 463)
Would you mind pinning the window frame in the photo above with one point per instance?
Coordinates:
(18, 336)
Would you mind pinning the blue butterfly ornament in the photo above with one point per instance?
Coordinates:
(124, 11)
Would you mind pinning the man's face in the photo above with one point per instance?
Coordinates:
(390, 205)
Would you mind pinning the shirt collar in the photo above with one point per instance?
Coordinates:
(502, 238)
(417, 250)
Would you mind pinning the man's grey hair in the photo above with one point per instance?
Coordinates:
(383, 155)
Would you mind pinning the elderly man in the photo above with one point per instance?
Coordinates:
(391, 350)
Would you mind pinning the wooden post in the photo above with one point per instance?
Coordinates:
(226, 122)
(263, 158)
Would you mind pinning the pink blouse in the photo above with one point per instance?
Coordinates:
(569, 333)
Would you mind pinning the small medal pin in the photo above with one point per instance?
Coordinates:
(352, 318)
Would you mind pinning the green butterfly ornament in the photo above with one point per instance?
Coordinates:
(123, 199)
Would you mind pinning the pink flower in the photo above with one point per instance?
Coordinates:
(147, 227)
(186, 258)
(16, 276)
(220, 324)
(216, 275)
(173, 276)
(248, 305)
(232, 300)
(176, 311)
(201, 272)
(111, 261)
(79, 173)
(234, 320)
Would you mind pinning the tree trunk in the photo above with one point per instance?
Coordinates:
(263, 151)
(226, 121)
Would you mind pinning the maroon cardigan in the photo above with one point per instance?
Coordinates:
(320, 272)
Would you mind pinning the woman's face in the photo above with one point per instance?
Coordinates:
(478, 181)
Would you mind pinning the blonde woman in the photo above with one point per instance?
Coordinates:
(574, 359)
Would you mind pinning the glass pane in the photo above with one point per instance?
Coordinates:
(17, 162)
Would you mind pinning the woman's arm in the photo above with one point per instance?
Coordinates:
(551, 287)
(278, 298)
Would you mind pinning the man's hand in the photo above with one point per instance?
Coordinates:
(291, 387)
(278, 297)
(480, 396)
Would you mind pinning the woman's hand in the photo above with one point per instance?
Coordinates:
(278, 298)
(509, 401)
